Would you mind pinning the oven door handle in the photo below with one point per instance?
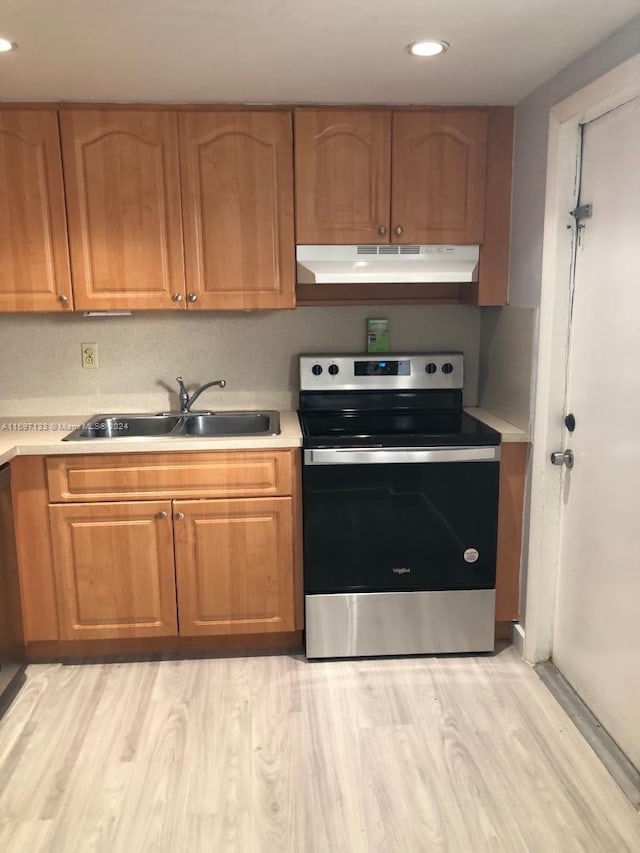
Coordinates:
(399, 455)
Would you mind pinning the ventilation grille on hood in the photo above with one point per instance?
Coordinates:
(388, 250)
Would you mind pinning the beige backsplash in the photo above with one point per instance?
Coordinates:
(255, 352)
(506, 352)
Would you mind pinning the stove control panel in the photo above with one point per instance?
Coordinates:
(378, 372)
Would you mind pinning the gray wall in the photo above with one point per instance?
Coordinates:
(529, 177)
(255, 352)
(508, 349)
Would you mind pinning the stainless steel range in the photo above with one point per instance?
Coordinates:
(400, 502)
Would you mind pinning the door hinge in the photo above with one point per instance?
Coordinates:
(583, 211)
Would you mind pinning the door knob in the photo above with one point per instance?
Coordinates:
(563, 457)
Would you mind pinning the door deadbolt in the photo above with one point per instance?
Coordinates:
(563, 457)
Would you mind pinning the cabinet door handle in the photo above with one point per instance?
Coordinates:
(177, 297)
(382, 230)
(179, 516)
(162, 515)
(62, 299)
(192, 297)
(399, 230)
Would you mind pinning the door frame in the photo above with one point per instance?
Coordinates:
(617, 87)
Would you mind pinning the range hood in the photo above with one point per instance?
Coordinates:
(387, 264)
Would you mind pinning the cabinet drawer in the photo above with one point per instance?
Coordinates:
(169, 475)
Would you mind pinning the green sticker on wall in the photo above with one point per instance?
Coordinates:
(377, 335)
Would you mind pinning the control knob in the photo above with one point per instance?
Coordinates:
(431, 368)
(316, 369)
(334, 369)
(447, 367)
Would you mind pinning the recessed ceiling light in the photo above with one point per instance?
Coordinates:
(427, 47)
(6, 45)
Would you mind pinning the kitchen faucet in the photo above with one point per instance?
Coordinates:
(187, 400)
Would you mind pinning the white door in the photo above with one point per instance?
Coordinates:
(596, 643)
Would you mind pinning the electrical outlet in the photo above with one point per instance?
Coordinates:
(89, 356)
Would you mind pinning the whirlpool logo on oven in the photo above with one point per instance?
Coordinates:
(401, 570)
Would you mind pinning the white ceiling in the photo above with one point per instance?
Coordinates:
(294, 50)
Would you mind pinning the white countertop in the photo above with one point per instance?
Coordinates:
(31, 436)
(510, 434)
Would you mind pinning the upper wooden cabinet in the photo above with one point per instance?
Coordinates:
(194, 209)
(438, 177)
(237, 186)
(123, 204)
(378, 176)
(34, 262)
(343, 171)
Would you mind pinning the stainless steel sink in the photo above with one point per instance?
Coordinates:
(233, 423)
(173, 425)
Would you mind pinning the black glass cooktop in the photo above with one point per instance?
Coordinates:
(390, 419)
(394, 429)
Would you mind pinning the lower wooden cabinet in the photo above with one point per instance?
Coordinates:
(115, 577)
(234, 566)
(154, 564)
(114, 570)
(513, 471)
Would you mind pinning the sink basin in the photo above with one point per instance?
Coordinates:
(233, 423)
(178, 426)
(126, 426)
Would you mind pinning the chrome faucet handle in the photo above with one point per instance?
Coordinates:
(183, 395)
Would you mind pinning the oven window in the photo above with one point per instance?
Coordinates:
(405, 527)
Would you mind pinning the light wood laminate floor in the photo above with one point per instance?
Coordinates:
(276, 754)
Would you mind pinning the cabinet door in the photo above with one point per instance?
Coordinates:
(234, 566)
(34, 262)
(237, 184)
(438, 176)
(343, 166)
(114, 570)
(123, 203)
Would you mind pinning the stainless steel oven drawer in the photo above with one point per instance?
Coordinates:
(399, 623)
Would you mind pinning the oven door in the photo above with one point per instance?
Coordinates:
(400, 520)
